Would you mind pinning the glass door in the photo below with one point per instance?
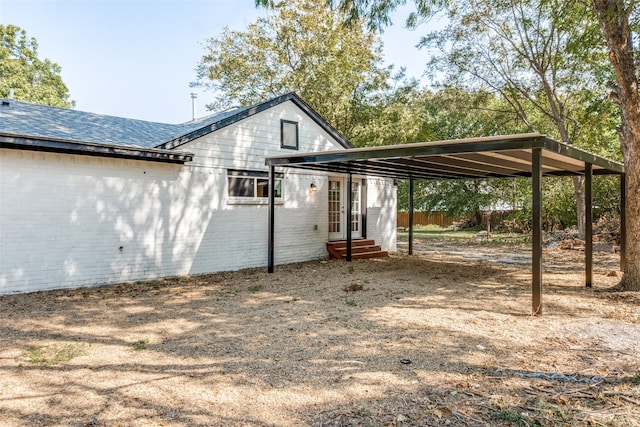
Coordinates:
(337, 203)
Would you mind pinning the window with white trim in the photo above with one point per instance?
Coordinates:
(289, 134)
(245, 186)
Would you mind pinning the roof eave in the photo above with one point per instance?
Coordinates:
(93, 149)
(608, 165)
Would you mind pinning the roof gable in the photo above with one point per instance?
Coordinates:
(212, 123)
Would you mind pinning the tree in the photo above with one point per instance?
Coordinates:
(300, 46)
(615, 17)
(451, 113)
(533, 53)
(394, 116)
(32, 79)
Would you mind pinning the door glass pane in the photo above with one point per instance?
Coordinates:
(355, 206)
(334, 206)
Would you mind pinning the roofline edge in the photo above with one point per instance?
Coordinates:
(93, 149)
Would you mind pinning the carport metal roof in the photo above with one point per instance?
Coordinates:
(488, 157)
(523, 155)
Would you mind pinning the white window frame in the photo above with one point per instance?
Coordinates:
(257, 178)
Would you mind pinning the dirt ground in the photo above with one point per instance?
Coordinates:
(440, 338)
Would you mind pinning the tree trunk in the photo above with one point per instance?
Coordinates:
(613, 16)
(631, 279)
(578, 194)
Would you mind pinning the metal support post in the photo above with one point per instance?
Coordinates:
(536, 267)
(588, 224)
(411, 217)
(272, 212)
(349, 215)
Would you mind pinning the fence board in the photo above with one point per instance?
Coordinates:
(425, 218)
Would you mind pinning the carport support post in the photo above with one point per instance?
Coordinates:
(272, 212)
(536, 267)
(410, 217)
(349, 215)
(588, 224)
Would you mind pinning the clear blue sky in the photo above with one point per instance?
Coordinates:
(135, 58)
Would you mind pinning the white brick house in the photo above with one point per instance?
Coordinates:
(87, 199)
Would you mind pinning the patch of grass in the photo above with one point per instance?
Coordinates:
(469, 235)
(53, 354)
(255, 288)
(351, 303)
(512, 416)
(142, 344)
(365, 326)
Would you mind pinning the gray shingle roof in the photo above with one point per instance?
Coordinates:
(41, 121)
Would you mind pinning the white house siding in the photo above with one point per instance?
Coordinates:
(382, 212)
(243, 227)
(72, 220)
(64, 219)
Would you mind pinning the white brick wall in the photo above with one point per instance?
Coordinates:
(382, 212)
(69, 220)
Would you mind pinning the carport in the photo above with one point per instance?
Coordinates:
(524, 155)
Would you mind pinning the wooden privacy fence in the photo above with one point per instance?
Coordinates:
(425, 218)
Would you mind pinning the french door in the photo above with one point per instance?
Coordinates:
(337, 208)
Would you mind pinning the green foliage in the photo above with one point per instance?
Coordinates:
(33, 80)
(545, 59)
(455, 197)
(459, 198)
(392, 116)
(456, 112)
(509, 67)
(452, 113)
(518, 66)
(255, 288)
(141, 344)
(538, 55)
(514, 417)
(300, 46)
(54, 354)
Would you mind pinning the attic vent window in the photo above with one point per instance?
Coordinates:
(289, 134)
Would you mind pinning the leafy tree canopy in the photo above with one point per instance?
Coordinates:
(544, 58)
(303, 47)
(32, 79)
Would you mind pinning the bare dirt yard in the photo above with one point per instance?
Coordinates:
(440, 338)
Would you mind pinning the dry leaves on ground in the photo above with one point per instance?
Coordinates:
(444, 337)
